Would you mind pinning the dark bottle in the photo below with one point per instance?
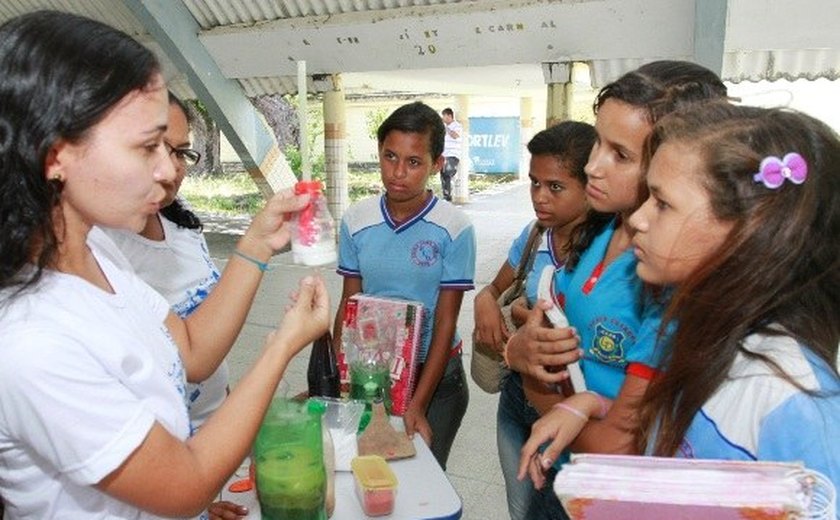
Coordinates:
(322, 375)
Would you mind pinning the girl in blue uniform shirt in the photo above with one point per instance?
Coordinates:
(603, 298)
(558, 155)
(409, 244)
(742, 225)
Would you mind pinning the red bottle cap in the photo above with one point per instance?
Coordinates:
(311, 187)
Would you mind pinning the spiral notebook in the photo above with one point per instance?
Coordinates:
(614, 487)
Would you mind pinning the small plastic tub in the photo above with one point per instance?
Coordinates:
(376, 484)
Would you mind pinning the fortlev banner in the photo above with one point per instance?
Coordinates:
(494, 144)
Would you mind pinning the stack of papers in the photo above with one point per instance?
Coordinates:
(616, 487)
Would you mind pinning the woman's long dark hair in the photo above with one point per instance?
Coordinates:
(177, 212)
(658, 88)
(60, 74)
(777, 272)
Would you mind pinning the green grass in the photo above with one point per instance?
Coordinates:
(236, 193)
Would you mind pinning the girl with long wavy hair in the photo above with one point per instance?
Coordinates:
(741, 230)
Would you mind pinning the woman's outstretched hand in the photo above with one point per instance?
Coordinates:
(306, 319)
(270, 228)
(559, 427)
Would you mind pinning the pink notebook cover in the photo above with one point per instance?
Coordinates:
(399, 322)
(610, 487)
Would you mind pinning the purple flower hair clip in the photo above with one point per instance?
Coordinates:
(773, 171)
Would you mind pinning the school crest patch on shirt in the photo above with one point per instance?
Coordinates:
(608, 345)
(425, 253)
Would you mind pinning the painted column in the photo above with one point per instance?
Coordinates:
(335, 148)
(558, 78)
(174, 28)
(461, 182)
(526, 121)
(710, 33)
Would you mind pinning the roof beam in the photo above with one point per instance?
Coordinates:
(481, 33)
(176, 31)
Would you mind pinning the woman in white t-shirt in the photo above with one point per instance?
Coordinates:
(171, 255)
(93, 362)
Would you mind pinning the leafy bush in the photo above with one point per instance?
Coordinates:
(236, 193)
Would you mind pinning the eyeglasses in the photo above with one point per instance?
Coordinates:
(187, 156)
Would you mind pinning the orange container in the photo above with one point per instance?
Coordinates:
(376, 484)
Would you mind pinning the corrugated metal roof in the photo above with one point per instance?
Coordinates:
(115, 14)
(212, 14)
(219, 13)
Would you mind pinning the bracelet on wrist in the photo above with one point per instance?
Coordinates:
(262, 266)
(602, 401)
(571, 410)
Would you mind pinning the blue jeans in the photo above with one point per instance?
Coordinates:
(447, 409)
(513, 426)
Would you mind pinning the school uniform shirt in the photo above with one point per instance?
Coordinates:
(544, 256)
(412, 260)
(757, 415)
(84, 375)
(179, 267)
(607, 307)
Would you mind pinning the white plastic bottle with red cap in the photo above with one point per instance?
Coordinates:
(313, 232)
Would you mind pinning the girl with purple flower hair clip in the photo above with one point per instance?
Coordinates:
(742, 230)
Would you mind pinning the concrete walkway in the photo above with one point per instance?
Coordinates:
(473, 464)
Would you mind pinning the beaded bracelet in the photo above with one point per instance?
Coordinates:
(573, 411)
(605, 406)
(262, 266)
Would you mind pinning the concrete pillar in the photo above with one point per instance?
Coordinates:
(560, 91)
(559, 103)
(710, 33)
(335, 149)
(526, 122)
(461, 182)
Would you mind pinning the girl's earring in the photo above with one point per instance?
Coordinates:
(57, 178)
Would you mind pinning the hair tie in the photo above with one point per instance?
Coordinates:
(774, 171)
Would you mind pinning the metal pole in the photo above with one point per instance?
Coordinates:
(305, 163)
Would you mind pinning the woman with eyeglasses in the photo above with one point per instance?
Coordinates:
(172, 256)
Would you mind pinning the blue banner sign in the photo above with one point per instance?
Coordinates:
(494, 144)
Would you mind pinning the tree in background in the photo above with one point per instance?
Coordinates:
(280, 112)
(373, 120)
(206, 139)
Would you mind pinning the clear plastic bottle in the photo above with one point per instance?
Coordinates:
(313, 232)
